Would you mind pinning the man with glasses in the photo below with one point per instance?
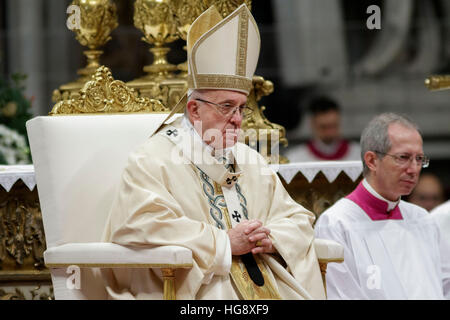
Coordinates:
(192, 185)
(393, 249)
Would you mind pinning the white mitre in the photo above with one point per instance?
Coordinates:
(223, 53)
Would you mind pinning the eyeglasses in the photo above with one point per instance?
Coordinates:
(228, 109)
(404, 159)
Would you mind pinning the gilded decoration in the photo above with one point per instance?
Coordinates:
(103, 94)
(186, 11)
(259, 132)
(22, 239)
(22, 244)
(435, 83)
(319, 194)
(98, 18)
(37, 293)
(157, 22)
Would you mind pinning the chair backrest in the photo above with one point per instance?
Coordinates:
(78, 163)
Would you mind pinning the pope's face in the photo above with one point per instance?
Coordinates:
(218, 129)
(390, 179)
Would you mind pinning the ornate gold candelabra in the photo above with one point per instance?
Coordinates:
(97, 20)
(157, 21)
(186, 11)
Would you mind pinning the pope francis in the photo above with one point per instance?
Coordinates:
(193, 185)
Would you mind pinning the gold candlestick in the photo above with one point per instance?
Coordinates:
(156, 20)
(186, 11)
(97, 20)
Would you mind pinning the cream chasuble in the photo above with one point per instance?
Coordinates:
(389, 254)
(174, 192)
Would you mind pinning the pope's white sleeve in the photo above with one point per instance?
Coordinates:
(222, 259)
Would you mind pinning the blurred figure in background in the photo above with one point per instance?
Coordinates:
(429, 192)
(326, 142)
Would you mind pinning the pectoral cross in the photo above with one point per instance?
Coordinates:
(236, 216)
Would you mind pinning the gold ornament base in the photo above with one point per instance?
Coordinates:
(167, 90)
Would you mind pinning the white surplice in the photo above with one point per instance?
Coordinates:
(442, 216)
(387, 258)
(170, 195)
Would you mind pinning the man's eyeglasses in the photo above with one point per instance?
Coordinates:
(228, 109)
(404, 159)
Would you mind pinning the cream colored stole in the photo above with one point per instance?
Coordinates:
(232, 211)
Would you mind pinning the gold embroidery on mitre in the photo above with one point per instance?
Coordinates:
(241, 57)
(212, 81)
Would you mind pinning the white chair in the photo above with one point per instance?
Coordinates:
(78, 162)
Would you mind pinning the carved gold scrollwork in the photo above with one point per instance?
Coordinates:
(103, 94)
(22, 240)
(34, 294)
(22, 232)
(16, 295)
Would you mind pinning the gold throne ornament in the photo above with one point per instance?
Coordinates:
(97, 20)
(103, 94)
